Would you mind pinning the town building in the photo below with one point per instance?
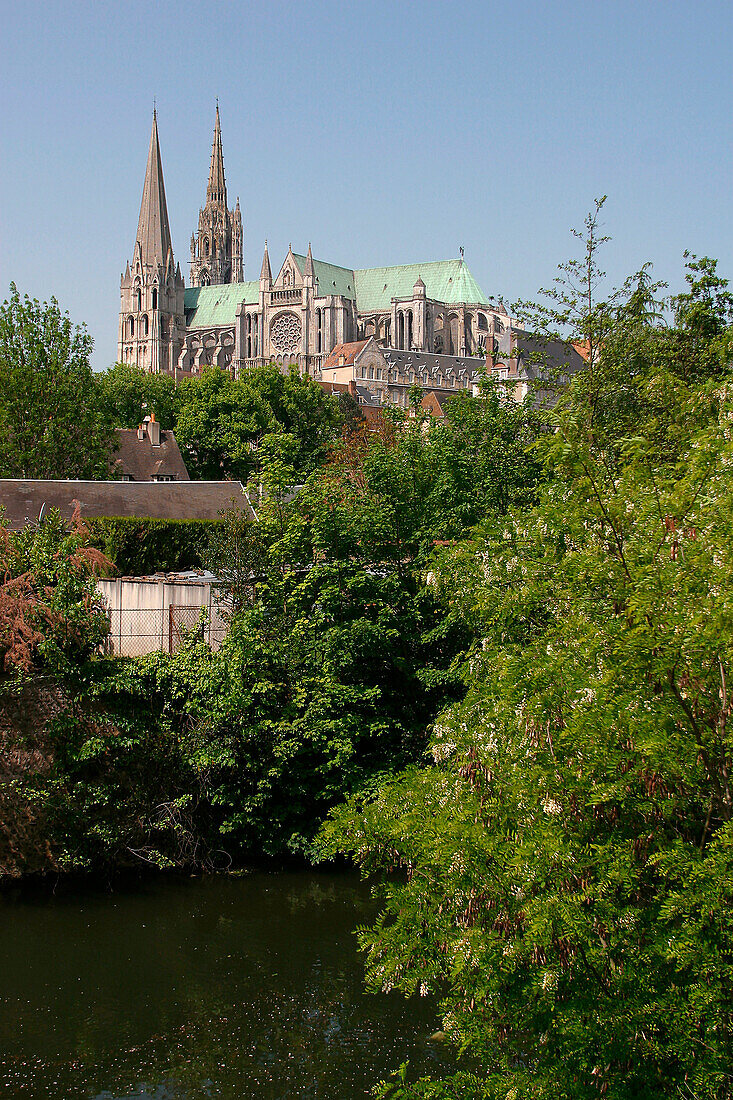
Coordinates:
(296, 317)
(527, 365)
(147, 453)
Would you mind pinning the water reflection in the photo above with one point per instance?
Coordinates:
(179, 989)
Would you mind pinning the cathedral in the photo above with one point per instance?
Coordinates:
(298, 317)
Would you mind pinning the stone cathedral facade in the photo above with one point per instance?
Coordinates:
(297, 317)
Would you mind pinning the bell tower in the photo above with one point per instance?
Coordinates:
(216, 250)
(152, 319)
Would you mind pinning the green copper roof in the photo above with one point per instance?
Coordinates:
(216, 306)
(447, 281)
(331, 279)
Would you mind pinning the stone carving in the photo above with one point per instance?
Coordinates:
(285, 332)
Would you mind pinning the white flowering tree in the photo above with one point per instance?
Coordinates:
(561, 874)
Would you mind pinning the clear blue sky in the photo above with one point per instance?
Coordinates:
(383, 132)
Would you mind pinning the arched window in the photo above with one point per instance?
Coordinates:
(145, 324)
(131, 326)
(138, 300)
(155, 297)
(206, 246)
(409, 329)
(401, 330)
(319, 331)
(483, 323)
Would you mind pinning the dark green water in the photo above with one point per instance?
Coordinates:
(189, 988)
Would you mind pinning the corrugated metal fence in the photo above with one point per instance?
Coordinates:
(156, 614)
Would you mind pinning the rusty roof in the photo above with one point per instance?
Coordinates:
(348, 351)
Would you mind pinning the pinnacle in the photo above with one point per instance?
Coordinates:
(266, 271)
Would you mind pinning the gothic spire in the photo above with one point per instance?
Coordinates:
(153, 230)
(309, 262)
(217, 189)
(265, 272)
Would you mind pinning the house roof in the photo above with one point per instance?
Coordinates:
(447, 281)
(432, 361)
(141, 461)
(434, 401)
(216, 306)
(349, 353)
(22, 499)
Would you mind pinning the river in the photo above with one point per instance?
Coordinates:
(178, 989)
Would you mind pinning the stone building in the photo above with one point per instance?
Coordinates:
(388, 374)
(299, 316)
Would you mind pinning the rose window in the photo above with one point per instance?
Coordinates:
(285, 332)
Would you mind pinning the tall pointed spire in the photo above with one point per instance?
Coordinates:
(217, 189)
(153, 230)
(309, 262)
(265, 271)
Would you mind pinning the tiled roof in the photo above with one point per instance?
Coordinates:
(22, 499)
(331, 278)
(447, 281)
(216, 306)
(348, 351)
(140, 460)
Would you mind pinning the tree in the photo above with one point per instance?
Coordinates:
(561, 874)
(50, 420)
(50, 611)
(128, 394)
(219, 423)
(302, 410)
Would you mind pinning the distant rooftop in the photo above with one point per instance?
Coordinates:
(22, 499)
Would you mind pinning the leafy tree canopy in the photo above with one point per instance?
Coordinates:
(560, 874)
(128, 394)
(50, 418)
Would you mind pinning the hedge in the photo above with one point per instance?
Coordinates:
(139, 547)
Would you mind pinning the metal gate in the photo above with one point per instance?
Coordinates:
(184, 620)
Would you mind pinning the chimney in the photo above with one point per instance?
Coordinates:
(140, 432)
(352, 387)
(153, 428)
(342, 360)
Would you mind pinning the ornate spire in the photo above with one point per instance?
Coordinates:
(217, 189)
(309, 263)
(153, 230)
(265, 271)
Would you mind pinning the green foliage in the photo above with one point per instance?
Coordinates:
(301, 409)
(139, 547)
(222, 421)
(50, 613)
(50, 420)
(128, 394)
(218, 424)
(561, 874)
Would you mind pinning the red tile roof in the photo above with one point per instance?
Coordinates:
(349, 353)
